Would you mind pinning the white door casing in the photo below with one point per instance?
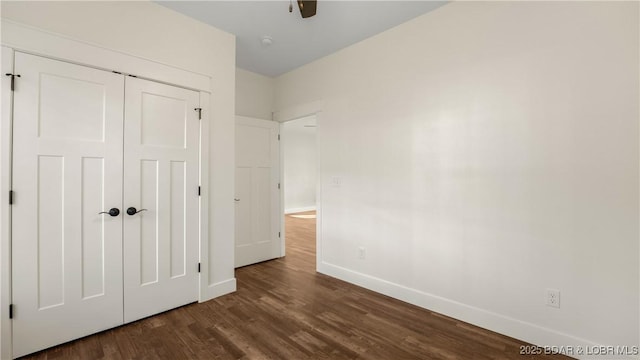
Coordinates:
(6, 111)
(160, 175)
(67, 167)
(257, 199)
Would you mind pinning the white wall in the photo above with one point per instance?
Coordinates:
(153, 32)
(487, 151)
(254, 95)
(299, 155)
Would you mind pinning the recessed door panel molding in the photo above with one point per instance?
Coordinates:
(254, 145)
(93, 240)
(178, 206)
(161, 127)
(51, 236)
(262, 205)
(79, 117)
(149, 224)
(244, 233)
(257, 187)
(164, 121)
(67, 160)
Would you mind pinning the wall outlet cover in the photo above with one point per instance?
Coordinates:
(552, 298)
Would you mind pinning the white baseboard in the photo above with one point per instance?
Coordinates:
(220, 288)
(505, 325)
(299, 209)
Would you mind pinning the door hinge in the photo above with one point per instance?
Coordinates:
(10, 311)
(13, 80)
(10, 197)
(198, 267)
(278, 185)
(199, 190)
(278, 233)
(278, 137)
(199, 110)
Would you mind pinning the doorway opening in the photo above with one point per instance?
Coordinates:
(299, 152)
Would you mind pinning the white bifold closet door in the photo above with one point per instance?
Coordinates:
(87, 141)
(67, 167)
(161, 176)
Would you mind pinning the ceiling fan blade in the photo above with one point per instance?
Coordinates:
(307, 7)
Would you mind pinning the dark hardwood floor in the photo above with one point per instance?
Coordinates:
(283, 309)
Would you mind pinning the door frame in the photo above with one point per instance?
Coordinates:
(288, 114)
(6, 340)
(17, 37)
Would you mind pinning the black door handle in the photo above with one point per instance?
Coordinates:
(112, 212)
(133, 211)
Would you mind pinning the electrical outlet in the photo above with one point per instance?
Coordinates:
(336, 181)
(553, 298)
(362, 253)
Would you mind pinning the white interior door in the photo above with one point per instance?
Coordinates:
(67, 167)
(160, 175)
(257, 199)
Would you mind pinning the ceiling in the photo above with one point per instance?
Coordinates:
(297, 41)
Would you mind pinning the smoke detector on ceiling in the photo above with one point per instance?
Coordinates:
(267, 41)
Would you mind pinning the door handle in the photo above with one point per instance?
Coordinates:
(133, 211)
(111, 212)
(236, 200)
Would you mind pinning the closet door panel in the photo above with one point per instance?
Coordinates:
(67, 168)
(161, 176)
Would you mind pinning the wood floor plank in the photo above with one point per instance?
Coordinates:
(283, 309)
